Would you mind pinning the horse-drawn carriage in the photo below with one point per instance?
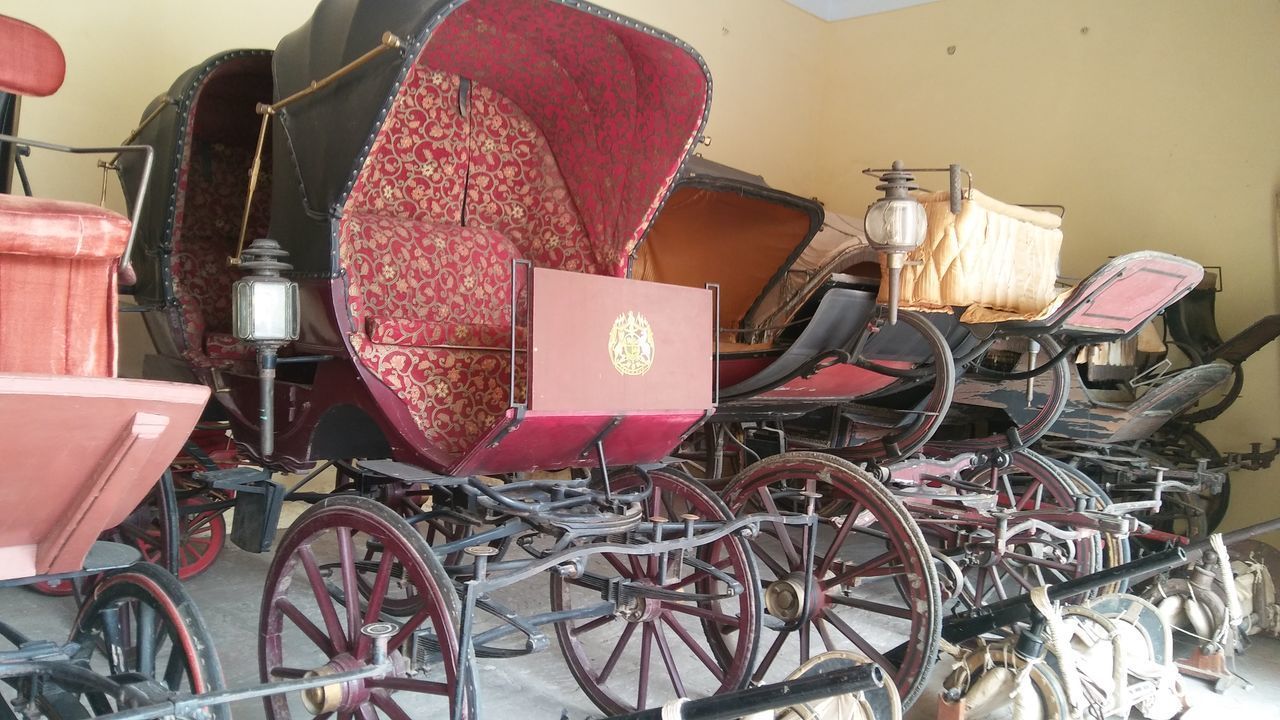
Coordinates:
(483, 281)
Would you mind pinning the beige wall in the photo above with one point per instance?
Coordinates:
(1156, 127)
(764, 55)
(1153, 122)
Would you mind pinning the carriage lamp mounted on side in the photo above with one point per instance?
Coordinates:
(264, 313)
(895, 226)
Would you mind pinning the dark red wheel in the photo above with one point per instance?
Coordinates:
(306, 627)
(415, 503)
(140, 627)
(873, 586)
(1034, 555)
(652, 650)
(203, 535)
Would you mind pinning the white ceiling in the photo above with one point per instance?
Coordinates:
(833, 10)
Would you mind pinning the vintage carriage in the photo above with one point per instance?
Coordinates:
(477, 282)
(458, 192)
(1131, 421)
(808, 363)
(642, 559)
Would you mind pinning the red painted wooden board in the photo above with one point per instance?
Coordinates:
(614, 345)
(79, 454)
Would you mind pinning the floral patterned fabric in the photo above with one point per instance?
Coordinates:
(455, 396)
(428, 294)
(514, 187)
(417, 168)
(402, 331)
(417, 270)
(211, 198)
(619, 108)
(219, 347)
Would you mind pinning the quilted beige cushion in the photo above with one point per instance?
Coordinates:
(991, 255)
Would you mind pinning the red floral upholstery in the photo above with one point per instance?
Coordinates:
(221, 348)
(455, 396)
(402, 331)
(514, 187)
(417, 270)
(428, 294)
(417, 168)
(211, 199)
(58, 265)
(618, 108)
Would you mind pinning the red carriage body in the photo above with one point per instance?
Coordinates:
(461, 244)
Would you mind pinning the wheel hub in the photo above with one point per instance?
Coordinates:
(639, 609)
(785, 598)
(339, 696)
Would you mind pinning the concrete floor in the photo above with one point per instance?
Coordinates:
(539, 686)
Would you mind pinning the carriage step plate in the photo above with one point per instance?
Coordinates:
(232, 478)
(103, 556)
(406, 473)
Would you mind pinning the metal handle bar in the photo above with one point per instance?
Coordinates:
(149, 158)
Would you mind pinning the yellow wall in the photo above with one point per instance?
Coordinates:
(1153, 122)
(764, 56)
(1156, 127)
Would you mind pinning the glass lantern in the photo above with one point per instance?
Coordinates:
(265, 313)
(264, 310)
(895, 226)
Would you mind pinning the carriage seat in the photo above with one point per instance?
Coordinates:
(458, 184)
(432, 303)
(58, 263)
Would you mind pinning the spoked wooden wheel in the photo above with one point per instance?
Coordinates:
(655, 649)
(872, 588)
(1033, 556)
(141, 628)
(436, 526)
(314, 570)
(202, 535)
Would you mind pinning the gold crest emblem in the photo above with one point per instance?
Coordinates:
(631, 344)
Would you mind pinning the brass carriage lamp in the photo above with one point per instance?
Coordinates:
(264, 313)
(895, 226)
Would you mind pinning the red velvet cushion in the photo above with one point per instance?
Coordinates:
(58, 286)
(31, 62)
(401, 268)
(59, 228)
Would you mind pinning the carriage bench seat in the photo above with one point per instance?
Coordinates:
(58, 262)
(443, 334)
(432, 305)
